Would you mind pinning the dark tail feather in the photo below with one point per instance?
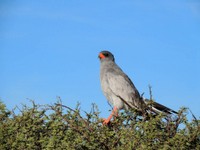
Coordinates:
(158, 108)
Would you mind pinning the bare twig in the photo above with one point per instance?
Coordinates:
(194, 117)
(150, 92)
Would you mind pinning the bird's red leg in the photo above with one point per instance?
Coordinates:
(113, 113)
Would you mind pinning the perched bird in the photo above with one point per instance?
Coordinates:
(120, 91)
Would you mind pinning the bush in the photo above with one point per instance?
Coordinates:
(60, 127)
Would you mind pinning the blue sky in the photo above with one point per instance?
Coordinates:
(49, 48)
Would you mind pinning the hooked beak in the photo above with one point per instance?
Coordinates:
(101, 56)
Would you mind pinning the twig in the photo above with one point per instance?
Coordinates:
(194, 117)
(65, 107)
(150, 92)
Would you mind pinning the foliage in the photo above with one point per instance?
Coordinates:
(60, 127)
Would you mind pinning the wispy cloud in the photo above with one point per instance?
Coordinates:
(195, 8)
(12, 35)
(31, 11)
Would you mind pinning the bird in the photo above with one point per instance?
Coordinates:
(120, 91)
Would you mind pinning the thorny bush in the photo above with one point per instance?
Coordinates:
(59, 127)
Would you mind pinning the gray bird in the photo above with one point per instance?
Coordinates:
(120, 91)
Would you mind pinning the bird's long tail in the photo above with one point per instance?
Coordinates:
(158, 108)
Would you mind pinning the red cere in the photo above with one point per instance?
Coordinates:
(101, 56)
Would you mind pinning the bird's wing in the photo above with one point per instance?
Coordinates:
(118, 84)
(122, 87)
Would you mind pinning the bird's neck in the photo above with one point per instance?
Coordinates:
(107, 64)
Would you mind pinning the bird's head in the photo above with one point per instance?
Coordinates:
(106, 55)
